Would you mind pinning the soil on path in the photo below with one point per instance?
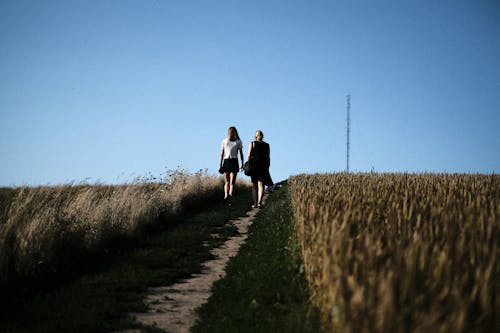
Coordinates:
(173, 308)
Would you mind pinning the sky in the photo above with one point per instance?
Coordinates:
(106, 91)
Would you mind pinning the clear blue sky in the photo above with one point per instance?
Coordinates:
(109, 90)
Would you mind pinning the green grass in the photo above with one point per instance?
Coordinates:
(265, 289)
(99, 301)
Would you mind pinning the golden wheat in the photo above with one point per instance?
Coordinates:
(401, 252)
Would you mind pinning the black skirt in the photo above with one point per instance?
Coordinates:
(230, 165)
(261, 174)
(264, 178)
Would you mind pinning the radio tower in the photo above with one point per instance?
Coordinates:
(348, 126)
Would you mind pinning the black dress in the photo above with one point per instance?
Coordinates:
(261, 162)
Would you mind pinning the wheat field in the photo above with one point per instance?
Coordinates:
(44, 228)
(401, 252)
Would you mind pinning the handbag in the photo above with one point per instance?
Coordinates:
(248, 166)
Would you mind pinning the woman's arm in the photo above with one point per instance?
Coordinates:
(221, 156)
(249, 150)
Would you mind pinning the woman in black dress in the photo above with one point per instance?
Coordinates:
(259, 152)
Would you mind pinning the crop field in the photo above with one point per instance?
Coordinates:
(401, 252)
(44, 230)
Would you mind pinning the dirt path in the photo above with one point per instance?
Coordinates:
(173, 308)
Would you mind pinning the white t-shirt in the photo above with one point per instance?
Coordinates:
(231, 148)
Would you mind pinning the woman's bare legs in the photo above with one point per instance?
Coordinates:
(232, 182)
(227, 180)
(255, 194)
(229, 185)
(261, 193)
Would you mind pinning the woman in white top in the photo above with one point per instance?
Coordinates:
(229, 161)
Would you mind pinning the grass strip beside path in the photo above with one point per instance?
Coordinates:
(100, 301)
(265, 289)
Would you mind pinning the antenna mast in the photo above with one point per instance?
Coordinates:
(348, 127)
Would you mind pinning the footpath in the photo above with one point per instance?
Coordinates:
(173, 307)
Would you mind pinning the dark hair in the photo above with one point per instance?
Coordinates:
(232, 134)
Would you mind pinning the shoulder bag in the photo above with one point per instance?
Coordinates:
(248, 167)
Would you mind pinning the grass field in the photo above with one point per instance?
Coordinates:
(98, 299)
(46, 231)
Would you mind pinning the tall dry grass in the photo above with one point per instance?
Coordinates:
(401, 252)
(45, 228)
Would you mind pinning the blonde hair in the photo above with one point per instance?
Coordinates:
(259, 135)
(232, 134)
